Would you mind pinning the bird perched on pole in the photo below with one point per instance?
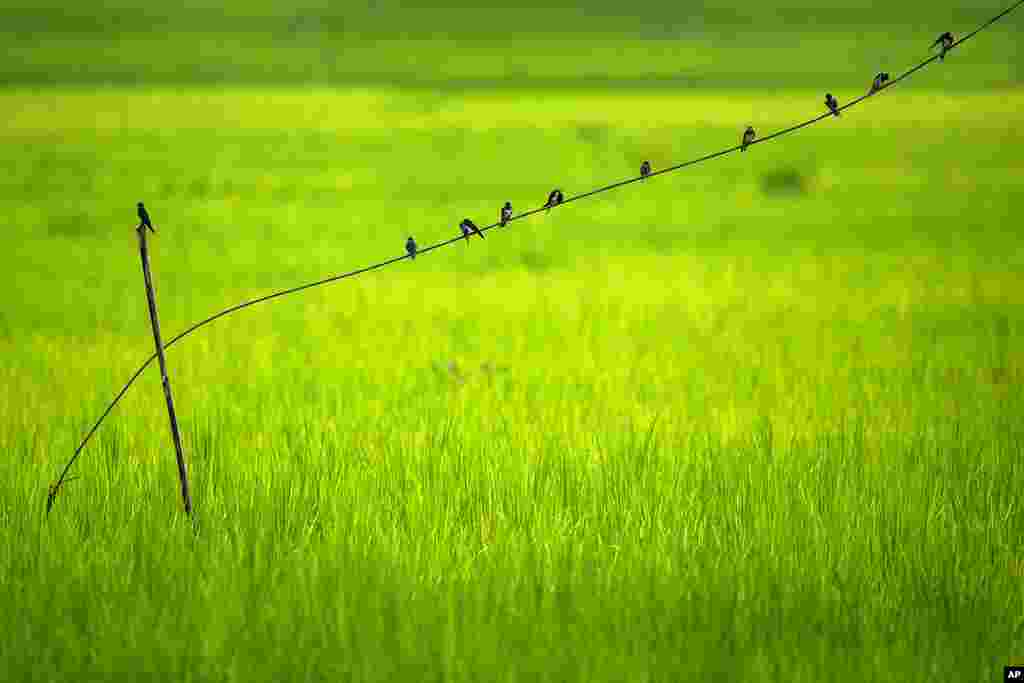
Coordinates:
(945, 41)
(832, 104)
(554, 199)
(645, 169)
(748, 137)
(410, 248)
(880, 80)
(144, 221)
(468, 228)
(506, 213)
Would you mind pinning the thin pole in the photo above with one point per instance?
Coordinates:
(151, 297)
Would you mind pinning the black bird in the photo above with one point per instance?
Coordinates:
(946, 40)
(506, 213)
(410, 248)
(645, 169)
(831, 103)
(468, 228)
(748, 137)
(144, 218)
(880, 80)
(554, 199)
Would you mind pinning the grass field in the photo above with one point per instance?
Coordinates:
(760, 418)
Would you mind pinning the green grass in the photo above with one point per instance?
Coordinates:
(760, 418)
(675, 45)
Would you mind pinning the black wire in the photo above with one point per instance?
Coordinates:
(606, 188)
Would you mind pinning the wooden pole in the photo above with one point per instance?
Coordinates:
(151, 297)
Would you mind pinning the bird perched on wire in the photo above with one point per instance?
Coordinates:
(748, 137)
(880, 80)
(945, 41)
(410, 248)
(144, 218)
(468, 228)
(554, 199)
(832, 104)
(645, 169)
(506, 214)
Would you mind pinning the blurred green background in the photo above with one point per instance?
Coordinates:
(702, 45)
(758, 417)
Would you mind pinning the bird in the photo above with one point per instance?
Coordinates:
(554, 199)
(468, 228)
(748, 137)
(144, 218)
(645, 169)
(506, 213)
(880, 80)
(410, 247)
(831, 103)
(946, 41)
